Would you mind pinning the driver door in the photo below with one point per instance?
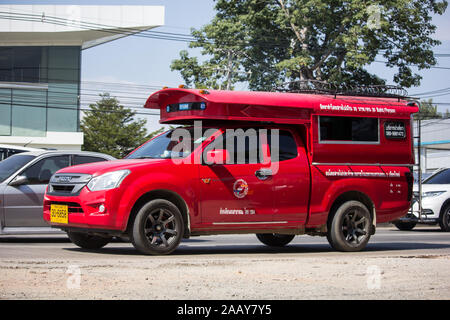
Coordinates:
(232, 195)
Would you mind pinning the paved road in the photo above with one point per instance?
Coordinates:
(424, 240)
(406, 265)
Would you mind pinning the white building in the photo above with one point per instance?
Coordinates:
(40, 61)
(435, 143)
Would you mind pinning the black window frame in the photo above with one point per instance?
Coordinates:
(366, 142)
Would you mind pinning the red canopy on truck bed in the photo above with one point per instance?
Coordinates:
(277, 107)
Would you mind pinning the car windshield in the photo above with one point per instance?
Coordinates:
(12, 164)
(176, 143)
(442, 177)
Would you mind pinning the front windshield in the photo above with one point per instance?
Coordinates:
(442, 177)
(12, 164)
(173, 144)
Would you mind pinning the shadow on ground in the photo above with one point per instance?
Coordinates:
(261, 249)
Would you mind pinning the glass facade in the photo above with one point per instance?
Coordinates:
(39, 90)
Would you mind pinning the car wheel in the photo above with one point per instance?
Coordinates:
(350, 227)
(444, 219)
(158, 228)
(405, 226)
(87, 241)
(275, 239)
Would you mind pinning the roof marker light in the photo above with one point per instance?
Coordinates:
(203, 91)
(182, 86)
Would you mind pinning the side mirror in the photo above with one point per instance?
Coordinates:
(18, 181)
(219, 156)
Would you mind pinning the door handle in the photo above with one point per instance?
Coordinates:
(263, 174)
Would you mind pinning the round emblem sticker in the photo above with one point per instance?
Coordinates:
(240, 188)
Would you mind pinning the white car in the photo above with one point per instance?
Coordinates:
(435, 203)
(7, 150)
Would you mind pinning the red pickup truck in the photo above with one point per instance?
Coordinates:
(270, 163)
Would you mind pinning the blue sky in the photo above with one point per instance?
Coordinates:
(136, 60)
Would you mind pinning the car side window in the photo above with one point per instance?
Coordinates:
(41, 171)
(243, 145)
(287, 147)
(86, 159)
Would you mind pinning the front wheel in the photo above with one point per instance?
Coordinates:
(158, 228)
(444, 219)
(275, 239)
(350, 227)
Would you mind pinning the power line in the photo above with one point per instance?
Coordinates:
(81, 109)
(276, 41)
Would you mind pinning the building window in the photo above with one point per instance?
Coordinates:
(20, 64)
(348, 129)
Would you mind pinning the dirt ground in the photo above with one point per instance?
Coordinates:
(292, 274)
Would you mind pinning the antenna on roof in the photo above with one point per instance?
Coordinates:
(321, 87)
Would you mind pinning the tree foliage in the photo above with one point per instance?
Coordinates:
(111, 128)
(267, 42)
(428, 111)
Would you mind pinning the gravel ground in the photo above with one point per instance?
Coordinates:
(408, 277)
(296, 273)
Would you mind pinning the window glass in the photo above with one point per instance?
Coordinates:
(41, 172)
(243, 145)
(287, 147)
(86, 159)
(20, 64)
(348, 129)
(443, 177)
(170, 144)
(12, 164)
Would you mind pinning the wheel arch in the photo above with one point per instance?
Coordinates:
(168, 195)
(444, 205)
(353, 195)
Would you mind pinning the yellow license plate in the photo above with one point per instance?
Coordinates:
(59, 213)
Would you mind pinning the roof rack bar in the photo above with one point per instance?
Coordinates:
(321, 87)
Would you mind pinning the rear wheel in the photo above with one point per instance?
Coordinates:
(350, 227)
(275, 239)
(444, 219)
(158, 228)
(87, 241)
(405, 226)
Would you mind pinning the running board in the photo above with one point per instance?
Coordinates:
(29, 230)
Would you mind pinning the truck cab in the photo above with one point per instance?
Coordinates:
(269, 163)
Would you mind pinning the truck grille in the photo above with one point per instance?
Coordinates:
(67, 184)
(66, 189)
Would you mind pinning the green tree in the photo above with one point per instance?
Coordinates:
(110, 128)
(427, 111)
(268, 42)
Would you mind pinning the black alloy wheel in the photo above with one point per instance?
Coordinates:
(158, 228)
(350, 227)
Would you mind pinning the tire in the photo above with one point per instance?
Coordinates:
(87, 241)
(275, 239)
(158, 228)
(405, 226)
(444, 219)
(349, 229)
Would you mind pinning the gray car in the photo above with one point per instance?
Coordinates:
(23, 180)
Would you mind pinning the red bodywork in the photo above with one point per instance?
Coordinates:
(297, 199)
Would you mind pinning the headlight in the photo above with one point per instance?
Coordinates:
(108, 180)
(432, 194)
